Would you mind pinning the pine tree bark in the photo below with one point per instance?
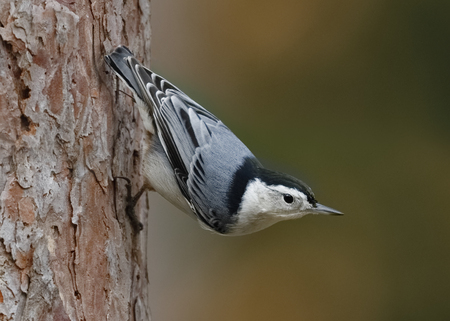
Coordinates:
(67, 248)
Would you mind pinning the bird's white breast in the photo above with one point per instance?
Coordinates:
(161, 177)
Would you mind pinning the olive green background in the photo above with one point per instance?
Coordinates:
(353, 97)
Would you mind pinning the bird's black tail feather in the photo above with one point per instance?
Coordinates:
(118, 61)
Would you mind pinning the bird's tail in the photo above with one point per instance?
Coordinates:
(125, 65)
(118, 60)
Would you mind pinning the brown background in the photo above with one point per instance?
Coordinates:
(352, 97)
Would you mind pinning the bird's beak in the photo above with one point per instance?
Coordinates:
(322, 209)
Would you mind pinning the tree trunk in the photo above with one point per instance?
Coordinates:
(67, 248)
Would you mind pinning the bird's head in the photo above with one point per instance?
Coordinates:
(271, 197)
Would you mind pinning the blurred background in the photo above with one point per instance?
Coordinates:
(353, 97)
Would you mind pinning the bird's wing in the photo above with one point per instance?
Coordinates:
(182, 124)
(200, 148)
(184, 128)
(191, 136)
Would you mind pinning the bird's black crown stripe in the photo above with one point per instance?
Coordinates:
(276, 178)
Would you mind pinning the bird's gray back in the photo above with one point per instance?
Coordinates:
(212, 173)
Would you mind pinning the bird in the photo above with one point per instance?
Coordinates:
(196, 162)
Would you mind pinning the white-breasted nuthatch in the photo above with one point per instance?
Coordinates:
(196, 163)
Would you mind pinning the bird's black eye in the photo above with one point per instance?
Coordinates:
(288, 198)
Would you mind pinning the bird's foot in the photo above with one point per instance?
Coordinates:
(131, 203)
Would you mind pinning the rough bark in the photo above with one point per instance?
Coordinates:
(67, 249)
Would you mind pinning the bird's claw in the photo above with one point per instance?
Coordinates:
(131, 203)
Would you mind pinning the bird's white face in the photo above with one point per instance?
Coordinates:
(263, 205)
